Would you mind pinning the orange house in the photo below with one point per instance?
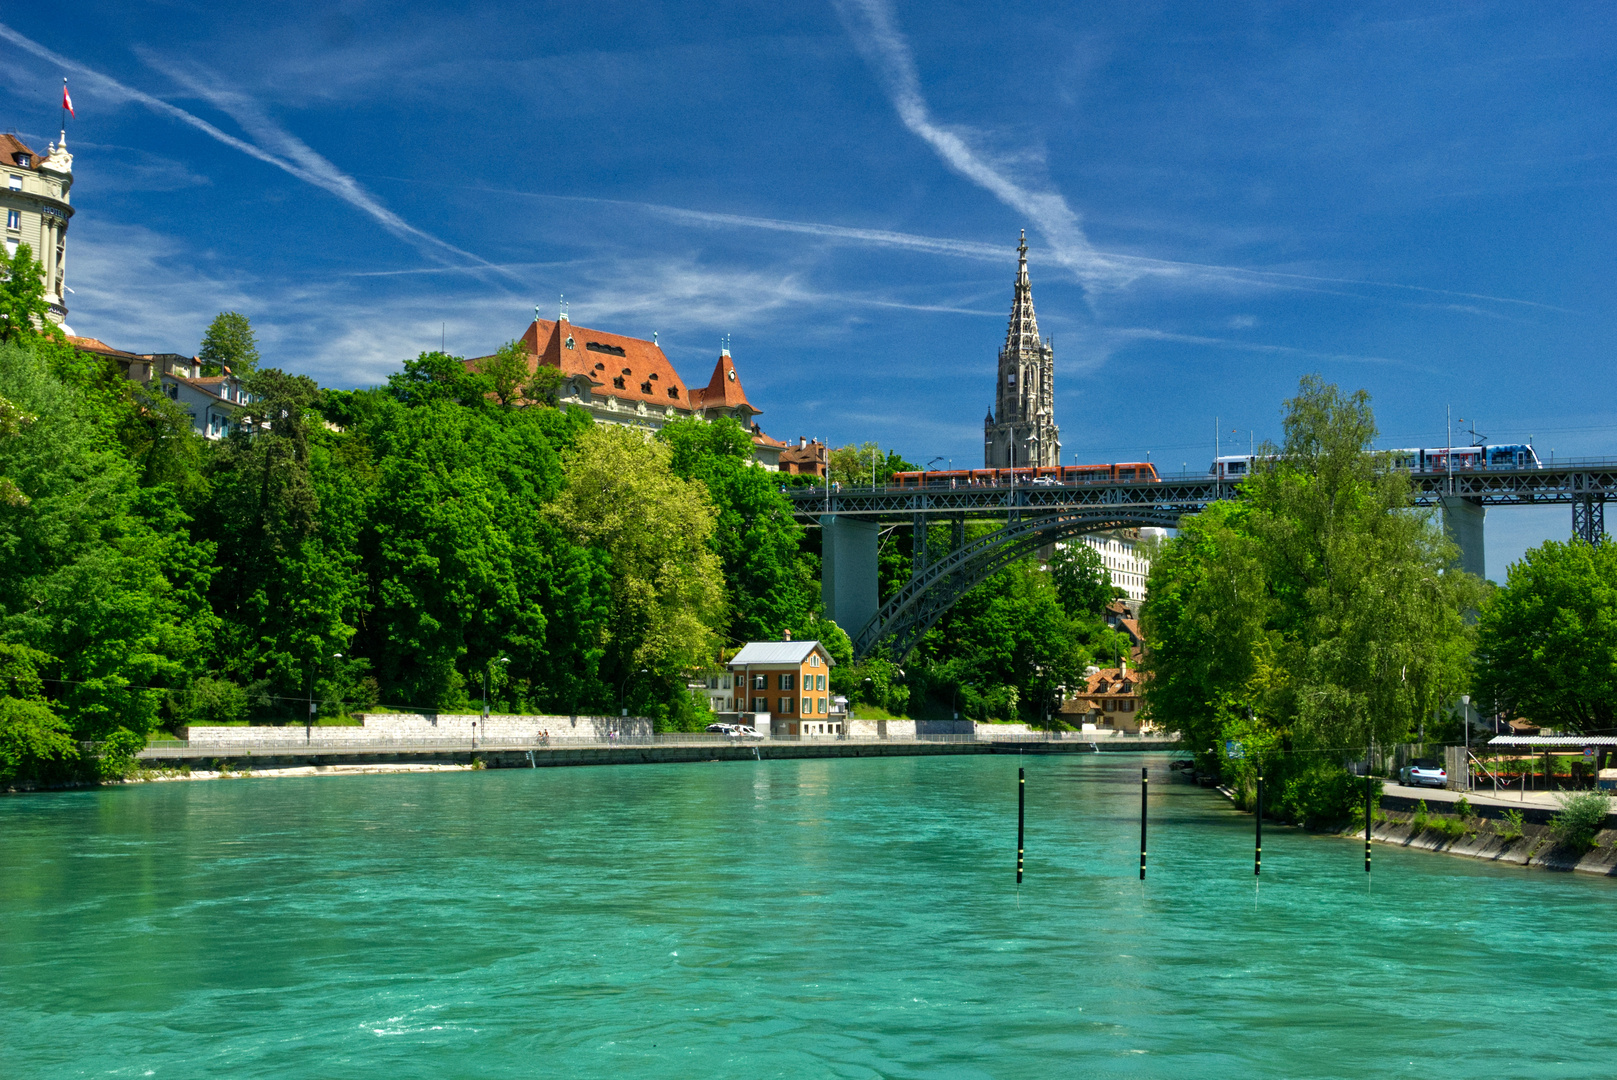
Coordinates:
(786, 685)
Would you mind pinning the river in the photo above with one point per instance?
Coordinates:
(822, 918)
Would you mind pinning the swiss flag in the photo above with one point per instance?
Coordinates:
(67, 102)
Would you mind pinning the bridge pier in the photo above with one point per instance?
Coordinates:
(1589, 517)
(848, 583)
(918, 552)
(1462, 518)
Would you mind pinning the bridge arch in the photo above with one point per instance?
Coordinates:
(909, 613)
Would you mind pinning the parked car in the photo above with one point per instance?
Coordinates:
(721, 729)
(1423, 774)
(744, 731)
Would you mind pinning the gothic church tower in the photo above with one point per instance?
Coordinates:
(1022, 423)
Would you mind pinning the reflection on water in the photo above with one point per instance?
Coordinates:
(747, 919)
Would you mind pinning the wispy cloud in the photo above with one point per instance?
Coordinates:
(876, 35)
(273, 144)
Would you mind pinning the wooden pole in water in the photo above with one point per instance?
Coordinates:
(1369, 782)
(1257, 852)
(1021, 811)
(1143, 782)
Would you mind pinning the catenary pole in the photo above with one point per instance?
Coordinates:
(1143, 787)
(1021, 806)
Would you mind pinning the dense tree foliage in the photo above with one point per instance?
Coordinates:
(1314, 614)
(230, 344)
(24, 310)
(1547, 640)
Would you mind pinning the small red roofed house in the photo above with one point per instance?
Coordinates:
(630, 381)
(1109, 700)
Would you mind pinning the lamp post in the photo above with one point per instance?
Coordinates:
(486, 668)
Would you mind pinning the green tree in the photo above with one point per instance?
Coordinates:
(667, 584)
(851, 465)
(96, 573)
(1083, 583)
(1319, 612)
(507, 371)
(1547, 640)
(35, 743)
(436, 376)
(24, 311)
(229, 344)
(769, 581)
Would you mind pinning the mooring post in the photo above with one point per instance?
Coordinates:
(1143, 783)
(1021, 808)
(1257, 853)
(1369, 782)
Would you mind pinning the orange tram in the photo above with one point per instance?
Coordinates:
(1121, 472)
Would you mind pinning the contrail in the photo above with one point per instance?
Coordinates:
(294, 156)
(870, 25)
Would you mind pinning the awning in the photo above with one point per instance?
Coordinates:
(1548, 741)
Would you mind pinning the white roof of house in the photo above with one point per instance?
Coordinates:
(777, 652)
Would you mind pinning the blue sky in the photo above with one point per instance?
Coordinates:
(1413, 198)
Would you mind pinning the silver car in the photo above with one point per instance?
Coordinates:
(1423, 774)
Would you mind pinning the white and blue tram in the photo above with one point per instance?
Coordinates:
(1235, 467)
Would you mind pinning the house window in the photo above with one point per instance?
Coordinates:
(807, 705)
(821, 703)
(760, 682)
(24, 160)
(16, 182)
(760, 704)
(1010, 378)
(724, 683)
(13, 219)
(814, 660)
(785, 704)
(787, 682)
(11, 245)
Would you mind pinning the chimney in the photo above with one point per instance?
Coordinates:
(801, 442)
(788, 636)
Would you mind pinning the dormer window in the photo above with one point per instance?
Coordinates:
(645, 387)
(24, 160)
(618, 382)
(569, 342)
(652, 376)
(596, 346)
(600, 367)
(673, 391)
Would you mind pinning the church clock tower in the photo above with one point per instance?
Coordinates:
(1021, 429)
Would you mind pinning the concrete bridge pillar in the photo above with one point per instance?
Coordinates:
(848, 582)
(1462, 518)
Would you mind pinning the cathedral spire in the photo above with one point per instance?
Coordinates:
(1022, 336)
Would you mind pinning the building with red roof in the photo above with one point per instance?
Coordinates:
(627, 380)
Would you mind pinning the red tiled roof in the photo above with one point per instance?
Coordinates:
(639, 363)
(11, 146)
(90, 344)
(723, 390)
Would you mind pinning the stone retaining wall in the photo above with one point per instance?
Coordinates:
(416, 727)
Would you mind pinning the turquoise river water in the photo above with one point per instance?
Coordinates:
(827, 918)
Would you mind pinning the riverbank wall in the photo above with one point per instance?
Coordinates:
(1492, 839)
(497, 756)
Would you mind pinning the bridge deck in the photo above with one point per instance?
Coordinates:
(1560, 482)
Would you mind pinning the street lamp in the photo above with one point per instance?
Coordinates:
(486, 667)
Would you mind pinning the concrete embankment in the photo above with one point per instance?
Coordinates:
(527, 757)
(1494, 840)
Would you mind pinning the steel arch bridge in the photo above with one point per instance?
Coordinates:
(1037, 515)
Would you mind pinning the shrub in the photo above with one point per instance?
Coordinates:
(1462, 808)
(1512, 828)
(1422, 819)
(1451, 827)
(1322, 796)
(1583, 814)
